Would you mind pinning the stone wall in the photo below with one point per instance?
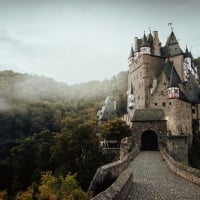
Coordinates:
(178, 113)
(177, 147)
(141, 74)
(113, 171)
(119, 189)
(189, 173)
(159, 127)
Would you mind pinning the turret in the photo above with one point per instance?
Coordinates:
(189, 66)
(131, 56)
(145, 48)
(150, 39)
(137, 47)
(136, 44)
(144, 41)
(173, 89)
(156, 44)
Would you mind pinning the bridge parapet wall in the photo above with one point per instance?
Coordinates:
(116, 170)
(189, 173)
(119, 189)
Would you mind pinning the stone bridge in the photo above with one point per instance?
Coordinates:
(152, 179)
(149, 175)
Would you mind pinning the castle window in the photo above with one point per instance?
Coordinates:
(173, 92)
(163, 104)
(170, 103)
(193, 111)
(155, 104)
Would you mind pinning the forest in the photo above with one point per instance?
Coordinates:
(48, 136)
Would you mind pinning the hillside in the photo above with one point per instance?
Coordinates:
(28, 87)
(51, 126)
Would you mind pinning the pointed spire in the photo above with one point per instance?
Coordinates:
(187, 53)
(131, 55)
(172, 46)
(150, 39)
(173, 88)
(172, 39)
(172, 82)
(144, 41)
(174, 79)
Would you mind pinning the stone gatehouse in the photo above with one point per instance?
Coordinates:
(149, 125)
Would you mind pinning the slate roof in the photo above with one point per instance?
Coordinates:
(172, 74)
(144, 41)
(108, 111)
(131, 52)
(150, 39)
(172, 47)
(190, 91)
(187, 54)
(142, 115)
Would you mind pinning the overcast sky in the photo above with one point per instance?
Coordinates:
(81, 40)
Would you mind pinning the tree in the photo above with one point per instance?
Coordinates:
(23, 161)
(54, 188)
(115, 129)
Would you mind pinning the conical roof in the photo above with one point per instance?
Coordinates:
(187, 54)
(172, 74)
(131, 52)
(150, 39)
(144, 41)
(172, 47)
(171, 39)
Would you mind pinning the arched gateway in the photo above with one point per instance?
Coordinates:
(149, 129)
(149, 141)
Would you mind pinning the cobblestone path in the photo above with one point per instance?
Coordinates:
(152, 179)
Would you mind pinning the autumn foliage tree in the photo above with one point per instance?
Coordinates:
(115, 129)
(54, 188)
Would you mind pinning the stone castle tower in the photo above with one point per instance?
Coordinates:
(163, 95)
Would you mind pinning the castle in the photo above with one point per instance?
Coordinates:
(163, 95)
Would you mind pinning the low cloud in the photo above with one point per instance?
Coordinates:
(4, 105)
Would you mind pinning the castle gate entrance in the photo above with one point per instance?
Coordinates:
(149, 141)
